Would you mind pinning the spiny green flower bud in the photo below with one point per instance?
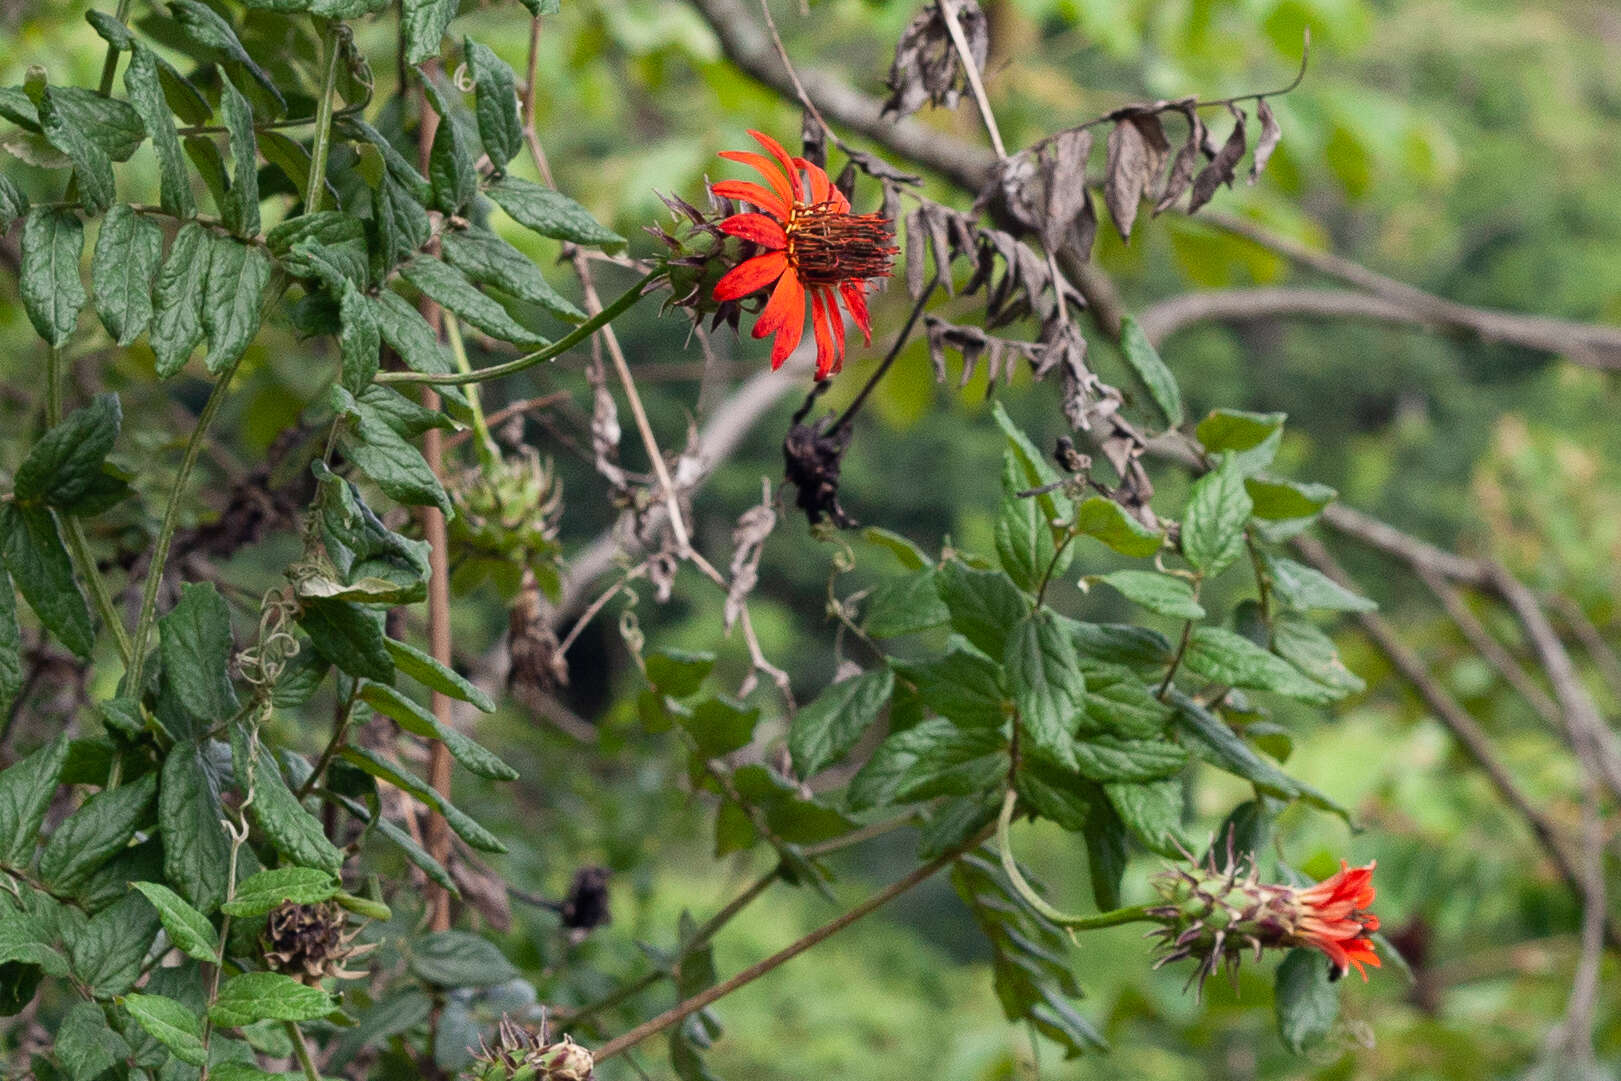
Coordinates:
(522, 1055)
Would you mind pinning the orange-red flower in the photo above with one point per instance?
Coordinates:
(816, 253)
(1334, 918)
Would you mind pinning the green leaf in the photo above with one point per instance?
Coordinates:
(189, 930)
(396, 467)
(1233, 430)
(1163, 593)
(385, 405)
(334, 239)
(1105, 758)
(1299, 641)
(11, 644)
(129, 250)
(1207, 736)
(450, 288)
(51, 291)
(399, 169)
(171, 1024)
(108, 950)
(13, 203)
(208, 29)
(1139, 648)
(111, 125)
(965, 688)
(1117, 527)
(414, 852)
(196, 854)
(241, 209)
(678, 672)
(720, 725)
(1304, 588)
(237, 275)
(92, 168)
(359, 341)
(422, 25)
(1024, 542)
(984, 605)
(1152, 811)
(537, 8)
(1213, 529)
(67, 460)
(1106, 855)
(349, 637)
(177, 324)
(261, 892)
(934, 758)
(409, 335)
(95, 833)
(1224, 657)
(911, 557)
(194, 640)
(1052, 792)
(412, 662)
(85, 1046)
(1045, 678)
(1307, 1004)
(295, 833)
(1117, 703)
(267, 996)
(824, 731)
(459, 959)
(400, 226)
(39, 564)
(420, 722)
(551, 213)
(451, 170)
(1276, 499)
(1035, 470)
(904, 605)
(142, 80)
(1145, 361)
(495, 104)
(26, 788)
(464, 825)
(488, 260)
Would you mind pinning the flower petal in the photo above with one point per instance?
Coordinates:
(767, 168)
(775, 149)
(835, 319)
(759, 228)
(819, 183)
(821, 326)
(751, 275)
(787, 304)
(788, 337)
(855, 299)
(753, 193)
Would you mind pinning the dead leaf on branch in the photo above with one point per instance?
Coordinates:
(1137, 150)
(748, 542)
(926, 67)
(1222, 167)
(1268, 142)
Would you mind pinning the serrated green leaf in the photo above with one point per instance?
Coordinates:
(339, 242)
(420, 722)
(911, 557)
(1276, 499)
(934, 758)
(1024, 541)
(13, 203)
(423, 24)
(92, 168)
(11, 644)
(107, 951)
(295, 833)
(678, 672)
(1138, 648)
(1306, 1003)
(1118, 703)
(400, 225)
(267, 996)
(39, 564)
(1163, 593)
(385, 405)
(409, 335)
(351, 638)
(1213, 527)
(825, 730)
(1207, 736)
(129, 250)
(904, 605)
(1106, 855)
(1225, 657)
(26, 788)
(194, 640)
(984, 605)
(401, 170)
(52, 293)
(95, 833)
(1156, 376)
(189, 930)
(459, 959)
(465, 826)
(261, 892)
(1045, 679)
(1234, 430)
(551, 213)
(495, 104)
(210, 165)
(237, 275)
(451, 169)
(1304, 588)
(177, 321)
(450, 288)
(488, 260)
(85, 1045)
(1107, 758)
(720, 725)
(393, 464)
(1036, 471)
(67, 460)
(412, 662)
(171, 1024)
(1299, 641)
(965, 688)
(206, 28)
(1109, 522)
(196, 853)
(1152, 811)
(359, 341)
(241, 211)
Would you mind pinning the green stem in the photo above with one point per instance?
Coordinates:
(1010, 866)
(53, 387)
(488, 455)
(302, 1049)
(1176, 660)
(579, 334)
(340, 729)
(79, 549)
(323, 121)
(109, 66)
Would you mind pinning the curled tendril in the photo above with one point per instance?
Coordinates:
(263, 662)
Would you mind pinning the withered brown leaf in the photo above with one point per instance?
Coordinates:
(1137, 151)
(1268, 142)
(1221, 168)
(1064, 171)
(1187, 159)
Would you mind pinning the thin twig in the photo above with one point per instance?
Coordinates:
(948, 11)
(878, 374)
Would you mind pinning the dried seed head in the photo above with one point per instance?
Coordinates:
(311, 942)
(520, 1054)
